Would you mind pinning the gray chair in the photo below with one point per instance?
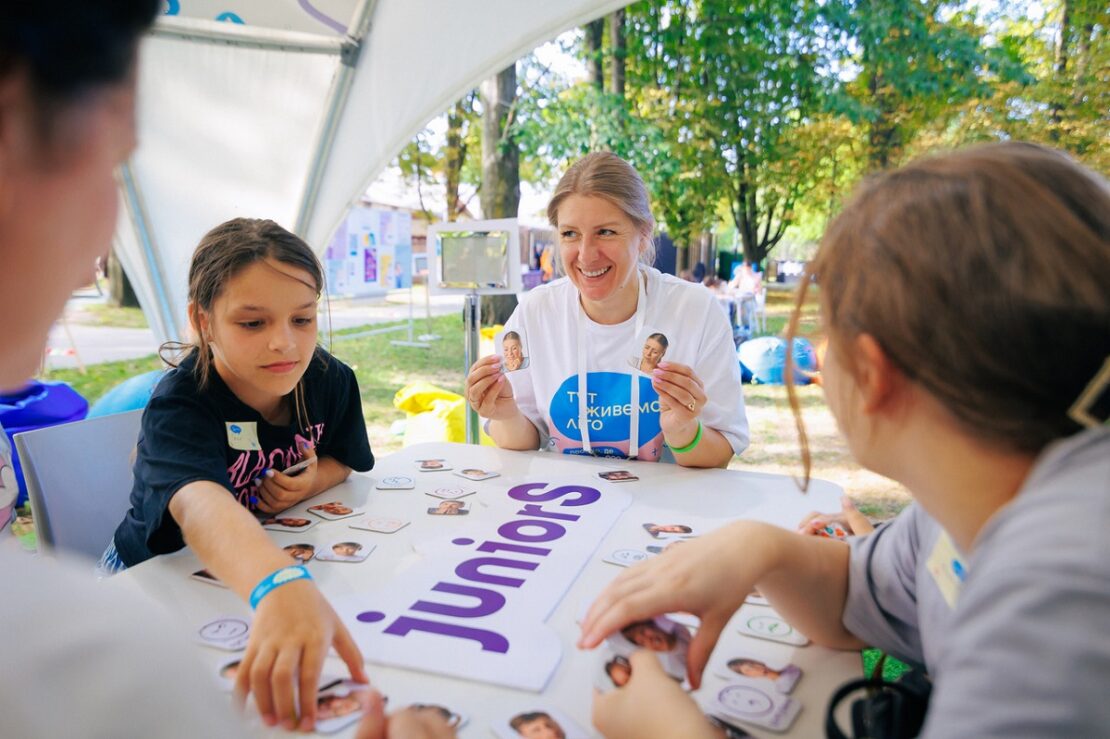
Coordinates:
(78, 479)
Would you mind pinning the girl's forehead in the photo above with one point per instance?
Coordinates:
(271, 285)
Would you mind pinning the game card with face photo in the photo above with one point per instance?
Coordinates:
(227, 672)
(380, 524)
(754, 703)
(756, 599)
(334, 510)
(208, 578)
(539, 721)
(229, 633)
(339, 707)
(477, 475)
(669, 530)
(660, 548)
(618, 476)
(301, 552)
(450, 508)
(763, 623)
(395, 482)
(345, 551)
(450, 493)
(668, 639)
(513, 350)
(455, 720)
(783, 678)
(432, 465)
(651, 347)
(611, 670)
(288, 523)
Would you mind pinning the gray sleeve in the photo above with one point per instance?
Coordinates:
(881, 608)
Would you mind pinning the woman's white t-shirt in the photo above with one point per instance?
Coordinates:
(546, 389)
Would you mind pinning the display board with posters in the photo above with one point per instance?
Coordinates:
(370, 253)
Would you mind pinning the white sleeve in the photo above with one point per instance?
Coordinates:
(719, 370)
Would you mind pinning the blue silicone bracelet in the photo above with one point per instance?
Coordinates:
(276, 579)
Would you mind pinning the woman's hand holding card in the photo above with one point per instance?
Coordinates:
(681, 398)
(277, 491)
(488, 391)
(293, 628)
(650, 704)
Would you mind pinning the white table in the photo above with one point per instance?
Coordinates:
(707, 497)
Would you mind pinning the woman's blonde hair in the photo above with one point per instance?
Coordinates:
(605, 175)
(984, 275)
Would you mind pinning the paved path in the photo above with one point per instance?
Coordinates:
(95, 344)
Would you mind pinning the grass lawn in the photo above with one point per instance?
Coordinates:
(102, 314)
(382, 369)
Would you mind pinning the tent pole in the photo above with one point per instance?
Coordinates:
(140, 222)
(337, 100)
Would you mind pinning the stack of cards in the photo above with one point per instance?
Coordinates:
(229, 633)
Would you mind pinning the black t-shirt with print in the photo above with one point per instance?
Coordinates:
(189, 435)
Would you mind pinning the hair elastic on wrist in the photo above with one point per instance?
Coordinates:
(276, 579)
(689, 447)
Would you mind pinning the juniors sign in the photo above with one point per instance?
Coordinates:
(478, 610)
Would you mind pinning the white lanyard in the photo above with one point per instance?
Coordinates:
(583, 392)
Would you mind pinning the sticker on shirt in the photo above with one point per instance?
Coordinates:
(334, 510)
(653, 345)
(380, 524)
(301, 552)
(538, 721)
(763, 623)
(947, 569)
(229, 633)
(287, 523)
(395, 482)
(783, 679)
(243, 436)
(513, 350)
(345, 551)
(754, 703)
(608, 413)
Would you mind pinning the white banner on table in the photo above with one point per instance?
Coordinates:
(477, 610)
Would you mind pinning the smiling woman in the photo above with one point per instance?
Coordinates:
(578, 394)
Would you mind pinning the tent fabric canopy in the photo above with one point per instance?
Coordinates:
(289, 109)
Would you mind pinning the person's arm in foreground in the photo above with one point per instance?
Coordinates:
(490, 393)
(804, 578)
(294, 626)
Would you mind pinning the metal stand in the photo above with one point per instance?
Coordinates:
(470, 331)
(411, 341)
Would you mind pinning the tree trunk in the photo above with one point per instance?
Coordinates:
(595, 31)
(1060, 67)
(620, 51)
(121, 292)
(454, 157)
(500, 171)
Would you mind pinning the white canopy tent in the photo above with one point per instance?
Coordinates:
(289, 109)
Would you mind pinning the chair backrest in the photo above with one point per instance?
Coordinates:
(79, 480)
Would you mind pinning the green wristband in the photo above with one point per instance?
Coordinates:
(689, 447)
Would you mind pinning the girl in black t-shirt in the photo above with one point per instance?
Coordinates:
(251, 397)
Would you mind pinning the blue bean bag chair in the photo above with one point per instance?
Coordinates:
(764, 359)
(130, 395)
(38, 405)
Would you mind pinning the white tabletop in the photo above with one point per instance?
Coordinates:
(703, 498)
